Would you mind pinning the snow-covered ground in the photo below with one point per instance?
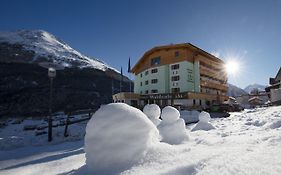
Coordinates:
(16, 134)
(247, 142)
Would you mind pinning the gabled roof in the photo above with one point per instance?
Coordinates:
(173, 46)
(278, 74)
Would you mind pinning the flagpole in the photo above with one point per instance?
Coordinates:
(130, 82)
(112, 88)
(129, 71)
(121, 79)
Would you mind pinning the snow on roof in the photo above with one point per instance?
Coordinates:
(255, 98)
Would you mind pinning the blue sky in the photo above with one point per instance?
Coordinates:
(246, 30)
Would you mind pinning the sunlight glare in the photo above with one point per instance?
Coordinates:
(232, 67)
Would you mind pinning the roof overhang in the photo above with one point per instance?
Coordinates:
(174, 46)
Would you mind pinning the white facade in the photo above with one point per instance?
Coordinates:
(275, 95)
(183, 76)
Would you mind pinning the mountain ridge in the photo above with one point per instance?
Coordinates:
(251, 87)
(84, 84)
(47, 47)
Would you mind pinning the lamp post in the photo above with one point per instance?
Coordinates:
(52, 67)
(51, 75)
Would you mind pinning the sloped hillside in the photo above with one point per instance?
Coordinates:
(85, 83)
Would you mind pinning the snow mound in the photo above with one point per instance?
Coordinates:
(203, 126)
(204, 122)
(152, 111)
(170, 114)
(117, 137)
(276, 124)
(172, 128)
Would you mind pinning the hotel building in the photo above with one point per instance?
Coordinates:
(178, 75)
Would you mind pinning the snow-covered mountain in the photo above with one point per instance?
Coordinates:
(44, 46)
(251, 87)
(24, 85)
(234, 91)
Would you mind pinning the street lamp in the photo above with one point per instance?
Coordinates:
(52, 67)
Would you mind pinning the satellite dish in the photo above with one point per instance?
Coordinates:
(48, 65)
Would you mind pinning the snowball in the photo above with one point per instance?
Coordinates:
(170, 114)
(117, 137)
(204, 117)
(152, 111)
(173, 133)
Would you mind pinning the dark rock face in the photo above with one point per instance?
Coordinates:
(25, 89)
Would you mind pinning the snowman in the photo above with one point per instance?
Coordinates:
(172, 127)
(204, 122)
(152, 111)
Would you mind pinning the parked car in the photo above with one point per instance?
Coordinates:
(226, 108)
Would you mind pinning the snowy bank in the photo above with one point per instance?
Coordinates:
(247, 142)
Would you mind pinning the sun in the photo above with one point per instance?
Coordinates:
(232, 67)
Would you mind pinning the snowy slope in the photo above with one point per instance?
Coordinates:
(251, 87)
(46, 45)
(247, 142)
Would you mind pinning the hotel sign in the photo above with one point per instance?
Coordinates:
(165, 96)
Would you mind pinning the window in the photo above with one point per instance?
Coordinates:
(140, 92)
(177, 54)
(175, 78)
(175, 90)
(146, 92)
(200, 102)
(175, 66)
(190, 75)
(146, 82)
(154, 81)
(154, 71)
(140, 83)
(154, 91)
(155, 61)
(146, 73)
(189, 71)
(141, 75)
(194, 101)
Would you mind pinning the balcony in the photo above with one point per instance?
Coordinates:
(208, 84)
(212, 73)
(210, 63)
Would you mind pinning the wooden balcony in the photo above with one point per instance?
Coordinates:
(210, 63)
(212, 73)
(206, 96)
(208, 84)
